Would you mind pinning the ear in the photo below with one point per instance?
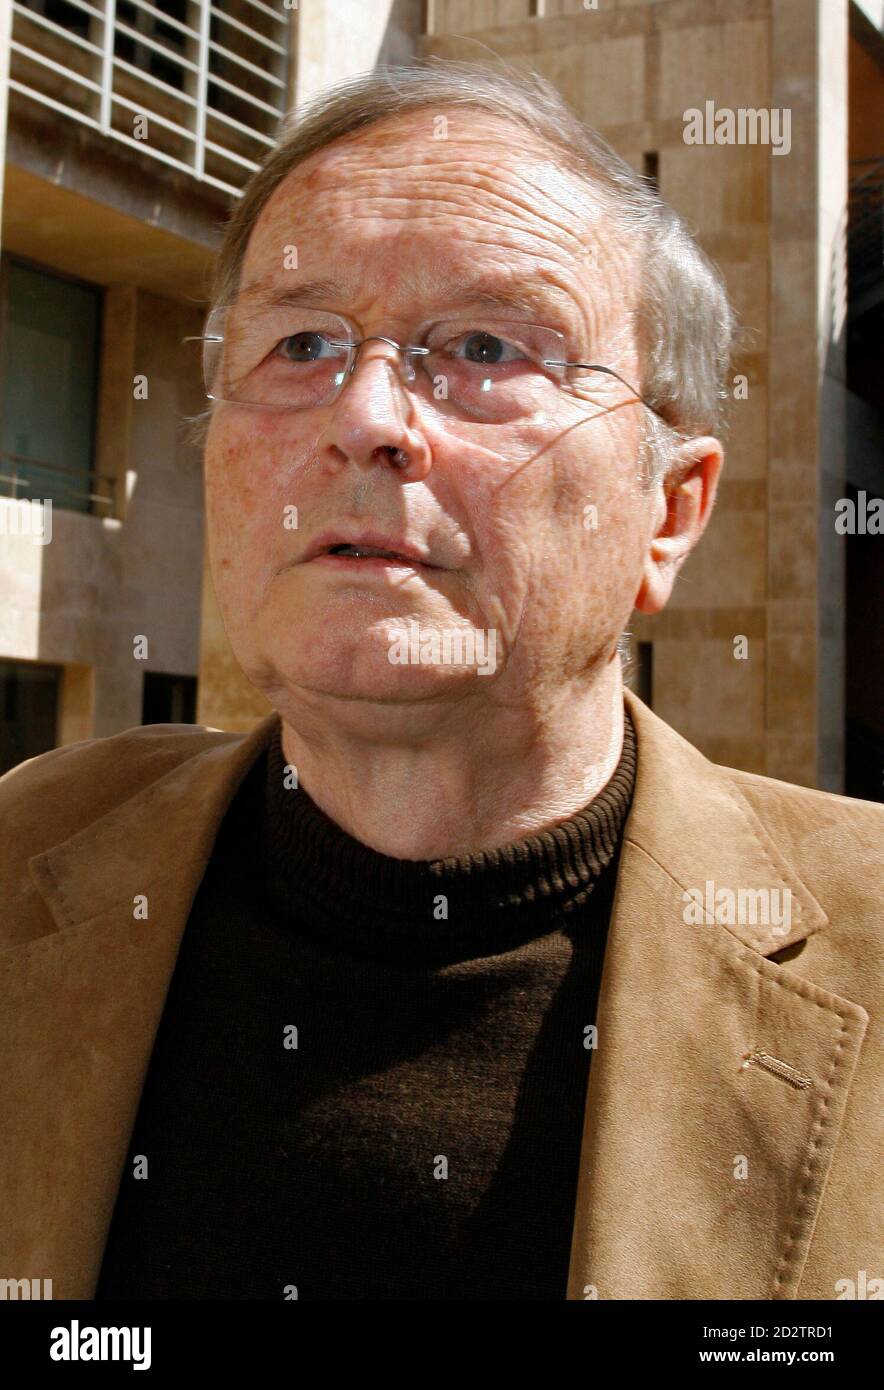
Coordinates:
(683, 509)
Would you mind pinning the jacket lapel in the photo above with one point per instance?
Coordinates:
(720, 1078)
(81, 1006)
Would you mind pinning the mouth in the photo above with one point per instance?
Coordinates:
(369, 551)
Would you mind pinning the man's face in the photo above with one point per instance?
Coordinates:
(536, 528)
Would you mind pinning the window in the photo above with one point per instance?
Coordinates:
(49, 344)
(60, 12)
(29, 695)
(144, 56)
(168, 699)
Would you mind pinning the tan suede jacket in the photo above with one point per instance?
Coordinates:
(734, 1118)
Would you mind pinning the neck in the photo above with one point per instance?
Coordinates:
(465, 784)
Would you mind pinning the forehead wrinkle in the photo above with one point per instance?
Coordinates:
(352, 169)
(499, 217)
(386, 148)
(515, 204)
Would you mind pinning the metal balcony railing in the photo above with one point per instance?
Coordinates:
(21, 477)
(201, 85)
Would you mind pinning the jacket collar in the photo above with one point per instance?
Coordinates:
(689, 816)
(685, 814)
(672, 1107)
(166, 828)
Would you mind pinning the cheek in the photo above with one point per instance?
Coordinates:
(596, 501)
(500, 474)
(566, 533)
(244, 495)
(557, 511)
(239, 533)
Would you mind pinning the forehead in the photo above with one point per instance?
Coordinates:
(425, 200)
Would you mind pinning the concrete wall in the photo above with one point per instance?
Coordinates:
(336, 40)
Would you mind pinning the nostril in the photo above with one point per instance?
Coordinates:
(398, 457)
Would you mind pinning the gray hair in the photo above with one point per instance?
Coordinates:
(685, 324)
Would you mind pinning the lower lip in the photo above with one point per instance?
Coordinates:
(367, 562)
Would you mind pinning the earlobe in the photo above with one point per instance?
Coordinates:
(658, 578)
(689, 495)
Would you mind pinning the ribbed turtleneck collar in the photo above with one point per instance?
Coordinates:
(351, 896)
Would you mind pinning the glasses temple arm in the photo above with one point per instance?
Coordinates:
(609, 371)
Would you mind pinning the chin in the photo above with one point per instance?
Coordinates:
(333, 659)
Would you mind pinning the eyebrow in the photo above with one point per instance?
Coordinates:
(479, 291)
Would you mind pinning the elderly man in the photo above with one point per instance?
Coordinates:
(461, 976)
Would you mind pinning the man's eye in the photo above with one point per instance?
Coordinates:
(307, 347)
(485, 349)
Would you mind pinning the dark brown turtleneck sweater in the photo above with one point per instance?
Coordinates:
(370, 1074)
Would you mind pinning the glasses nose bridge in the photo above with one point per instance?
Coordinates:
(403, 351)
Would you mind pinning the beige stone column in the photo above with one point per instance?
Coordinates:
(340, 38)
(805, 599)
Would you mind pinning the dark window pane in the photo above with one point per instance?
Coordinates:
(141, 55)
(168, 699)
(28, 711)
(50, 377)
(642, 681)
(61, 13)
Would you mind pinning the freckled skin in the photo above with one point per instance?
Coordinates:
(425, 760)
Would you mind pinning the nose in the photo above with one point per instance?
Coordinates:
(371, 420)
